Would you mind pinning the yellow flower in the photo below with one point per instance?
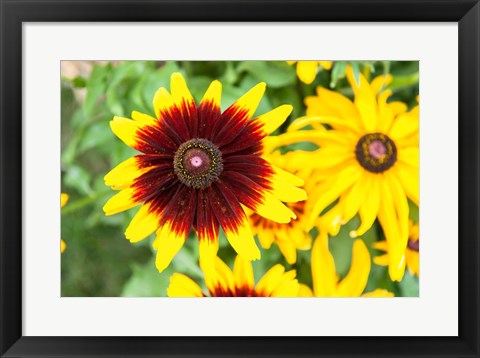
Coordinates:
(307, 70)
(63, 201)
(198, 167)
(223, 282)
(326, 282)
(294, 235)
(368, 160)
(411, 252)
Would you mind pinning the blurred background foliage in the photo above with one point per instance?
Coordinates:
(99, 261)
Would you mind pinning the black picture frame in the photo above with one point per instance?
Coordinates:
(15, 12)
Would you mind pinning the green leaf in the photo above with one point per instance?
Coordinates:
(96, 85)
(78, 178)
(96, 135)
(146, 281)
(274, 74)
(338, 72)
(409, 286)
(79, 82)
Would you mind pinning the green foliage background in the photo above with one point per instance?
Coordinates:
(99, 261)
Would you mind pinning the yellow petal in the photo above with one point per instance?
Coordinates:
(126, 130)
(329, 103)
(243, 273)
(242, 241)
(324, 276)
(273, 209)
(396, 243)
(380, 245)
(222, 278)
(380, 82)
(168, 243)
(288, 250)
(213, 94)
(307, 71)
(63, 199)
(410, 180)
(120, 202)
(378, 293)
(335, 187)
(250, 100)
(266, 237)
(409, 156)
(275, 118)
(353, 199)
(270, 280)
(369, 208)
(288, 286)
(162, 101)
(285, 191)
(381, 260)
(180, 92)
(404, 126)
(124, 174)
(356, 280)
(208, 254)
(305, 291)
(144, 223)
(292, 179)
(63, 246)
(413, 262)
(327, 65)
(183, 286)
(365, 100)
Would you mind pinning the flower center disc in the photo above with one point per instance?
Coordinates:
(198, 163)
(376, 152)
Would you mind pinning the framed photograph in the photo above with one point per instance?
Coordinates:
(241, 179)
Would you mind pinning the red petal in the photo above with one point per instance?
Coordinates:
(208, 114)
(251, 135)
(225, 206)
(181, 210)
(206, 223)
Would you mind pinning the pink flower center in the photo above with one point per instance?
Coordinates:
(377, 149)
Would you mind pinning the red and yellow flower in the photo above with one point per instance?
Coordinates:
(223, 282)
(198, 166)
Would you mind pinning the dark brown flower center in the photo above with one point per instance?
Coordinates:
(376, 152)
(198, 163)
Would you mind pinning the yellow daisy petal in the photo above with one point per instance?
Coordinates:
(162, 101)
(242, 241)
(270, 280)
(275, 118)
(324, 276)
(381, 260)
(208, 252)
(124, 174)
(273, 209)
(183, 286)
(305, 291)
(213, 94)
(286, 192)
(243, 273)
(144, 223)
(356, 280)
(365, 100)
(168, 243)
(63, 199)
(378, 293)
(63, 246)
(120, 202)
(250, 100)
(307, 71)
